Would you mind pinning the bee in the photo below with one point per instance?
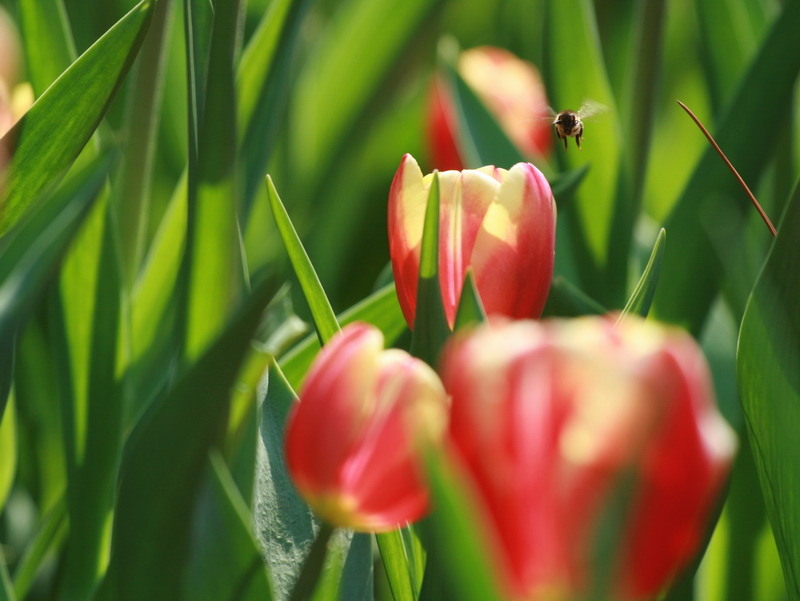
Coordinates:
(569, 124)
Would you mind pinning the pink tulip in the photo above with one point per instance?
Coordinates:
(511, 89)
(501, 223)
(549, 418)
(352, 441)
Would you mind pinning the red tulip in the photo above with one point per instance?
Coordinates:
(501, 223)
(352, 440)
(511, 89)
(547, 419)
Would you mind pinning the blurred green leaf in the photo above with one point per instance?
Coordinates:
(330, 98)
(567, 300)
(457, 555)
(51, 530)
(49, 47)
(600, 216)
(87, 320)
(6, 591)
(264, 83)
(565, 184)
(224, 559)
(769, 385)
(55, 129)
(8, 450)
(430, 322)
(167, 453)
(213, 262)
(133, 192)
(398, 573)
(381, 309)
(31, 251)
(324, 317)
(480, 139)
(642, 295)
(470, 306)
(712, 191)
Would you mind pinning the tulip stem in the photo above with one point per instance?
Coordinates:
(312, 567)
(732, 168)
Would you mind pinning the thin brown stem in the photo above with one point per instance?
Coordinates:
(732, 168)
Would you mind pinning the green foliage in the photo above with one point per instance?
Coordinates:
(141, 434)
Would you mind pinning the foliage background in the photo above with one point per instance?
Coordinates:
(116, 336)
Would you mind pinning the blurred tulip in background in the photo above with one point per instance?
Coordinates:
(556, 420)
(353, 438)
(511, 89)
(499, 222)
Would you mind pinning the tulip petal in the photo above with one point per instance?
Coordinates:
(514, 249)
(326, 423)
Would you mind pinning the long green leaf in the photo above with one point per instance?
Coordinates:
(574, 72)
(55, 129)
(712, 191)
(49, 47)
(8, 448)
(167, 453)
(88, 319)
(6, 591)
(324, 317)
(642, 295)
(769, 384)
(284, 523)
(225, 561)
(213, 255)
(31, 251)
(399, 565)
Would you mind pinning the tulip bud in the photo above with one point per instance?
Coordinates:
(511, 89)
(549, 418)
(501, 223)
(353, 439)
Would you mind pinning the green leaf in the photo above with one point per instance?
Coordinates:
(49, 47)
(284, 523)
(51, 530)
(225, 561)
(168, 453)
(312, 566)
(30, 252)
(381, 309)
(574, 72)
(567, 300)
(481, 140)
(8, 449)
(457, 556)
(769, 386)
(470, 306)
(399, 561)
(55, 129)
(6, 591)
(264, 83)
(430, 322)
(377, 36)
(695, 222)
(642, 295)
(565, 184)
(321, 311)
(213, 261)
(133, 192)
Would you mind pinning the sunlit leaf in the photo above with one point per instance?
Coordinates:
(642, 295)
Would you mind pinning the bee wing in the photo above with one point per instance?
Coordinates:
(549, 114)
(590, 108)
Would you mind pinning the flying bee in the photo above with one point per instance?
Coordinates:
(569, 124)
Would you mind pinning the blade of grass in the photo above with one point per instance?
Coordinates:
(49, 47)
(324, 317)
(430, 323)
(55, 129)
(642, 296)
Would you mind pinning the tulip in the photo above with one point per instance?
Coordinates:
(548, 418)
(353, 439)
(511, 89)
(500, 223)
